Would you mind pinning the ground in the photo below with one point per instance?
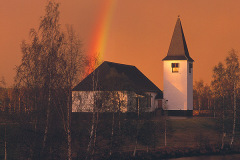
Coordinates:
(182, 133)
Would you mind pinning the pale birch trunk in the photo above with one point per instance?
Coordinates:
(90, 149)
(19, 102)
(5, 144)
(95, 135)
(112, 133)
(36, 120)
(199, 104)
(119, 122)
(223, 126)
(208, 103)
(119, 116)
(136, 143)
(234, 115)
(69, 138)
(91, 134)
(69, 144)
(93, 125)
(48, 114)
(165, 132)
(46, 129)
(214, 108)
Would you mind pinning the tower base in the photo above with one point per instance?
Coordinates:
(186, 113)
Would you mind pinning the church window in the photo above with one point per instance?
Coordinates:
(190, 67)
(175, 67)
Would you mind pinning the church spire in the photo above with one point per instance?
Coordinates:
(178, 47)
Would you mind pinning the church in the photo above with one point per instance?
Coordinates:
(115, 87)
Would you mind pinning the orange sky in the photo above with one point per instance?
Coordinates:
(139, 33)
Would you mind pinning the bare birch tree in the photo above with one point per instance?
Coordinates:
(232, 73)
(208, 95)
(50, 66)
(93, 63)
(199, 88)
(3, 94)
(219, 90)
(71, 68)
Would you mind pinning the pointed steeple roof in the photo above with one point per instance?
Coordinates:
(178, 47)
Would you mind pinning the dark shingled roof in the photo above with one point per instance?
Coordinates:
(178, 47)
(118, 77)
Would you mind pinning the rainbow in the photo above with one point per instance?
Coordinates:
(100, 34)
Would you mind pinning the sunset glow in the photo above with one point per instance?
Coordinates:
(129, 32)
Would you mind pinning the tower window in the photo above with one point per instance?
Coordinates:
(190, 67)
(175, 67)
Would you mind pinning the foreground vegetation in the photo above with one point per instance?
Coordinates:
(185, 137)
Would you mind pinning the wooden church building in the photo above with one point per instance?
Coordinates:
(130, 90)
(112, 87)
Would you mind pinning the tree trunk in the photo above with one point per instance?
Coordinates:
(69, 144)
(208, 103)
(199, 104)
(113, 119)
(165, 127)
(223, 126)
(35, 110)
(46, 129)
(19, 103)
(91, 133)
(119, 122)
(69, 113)
(95, 135)
(5, 144)
(234, 115)
(119, 116)
(89, 151)
(165, 132)
(47, 118)
(136, 143)
(214, 109)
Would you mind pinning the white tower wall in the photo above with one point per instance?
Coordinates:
(190, 88)
(178, 86)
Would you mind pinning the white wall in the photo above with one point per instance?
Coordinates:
(83, 101)
(177, 86)
(190, 89)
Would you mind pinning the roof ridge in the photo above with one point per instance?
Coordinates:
(119, 63)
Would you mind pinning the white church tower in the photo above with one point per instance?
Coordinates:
(178, 75)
